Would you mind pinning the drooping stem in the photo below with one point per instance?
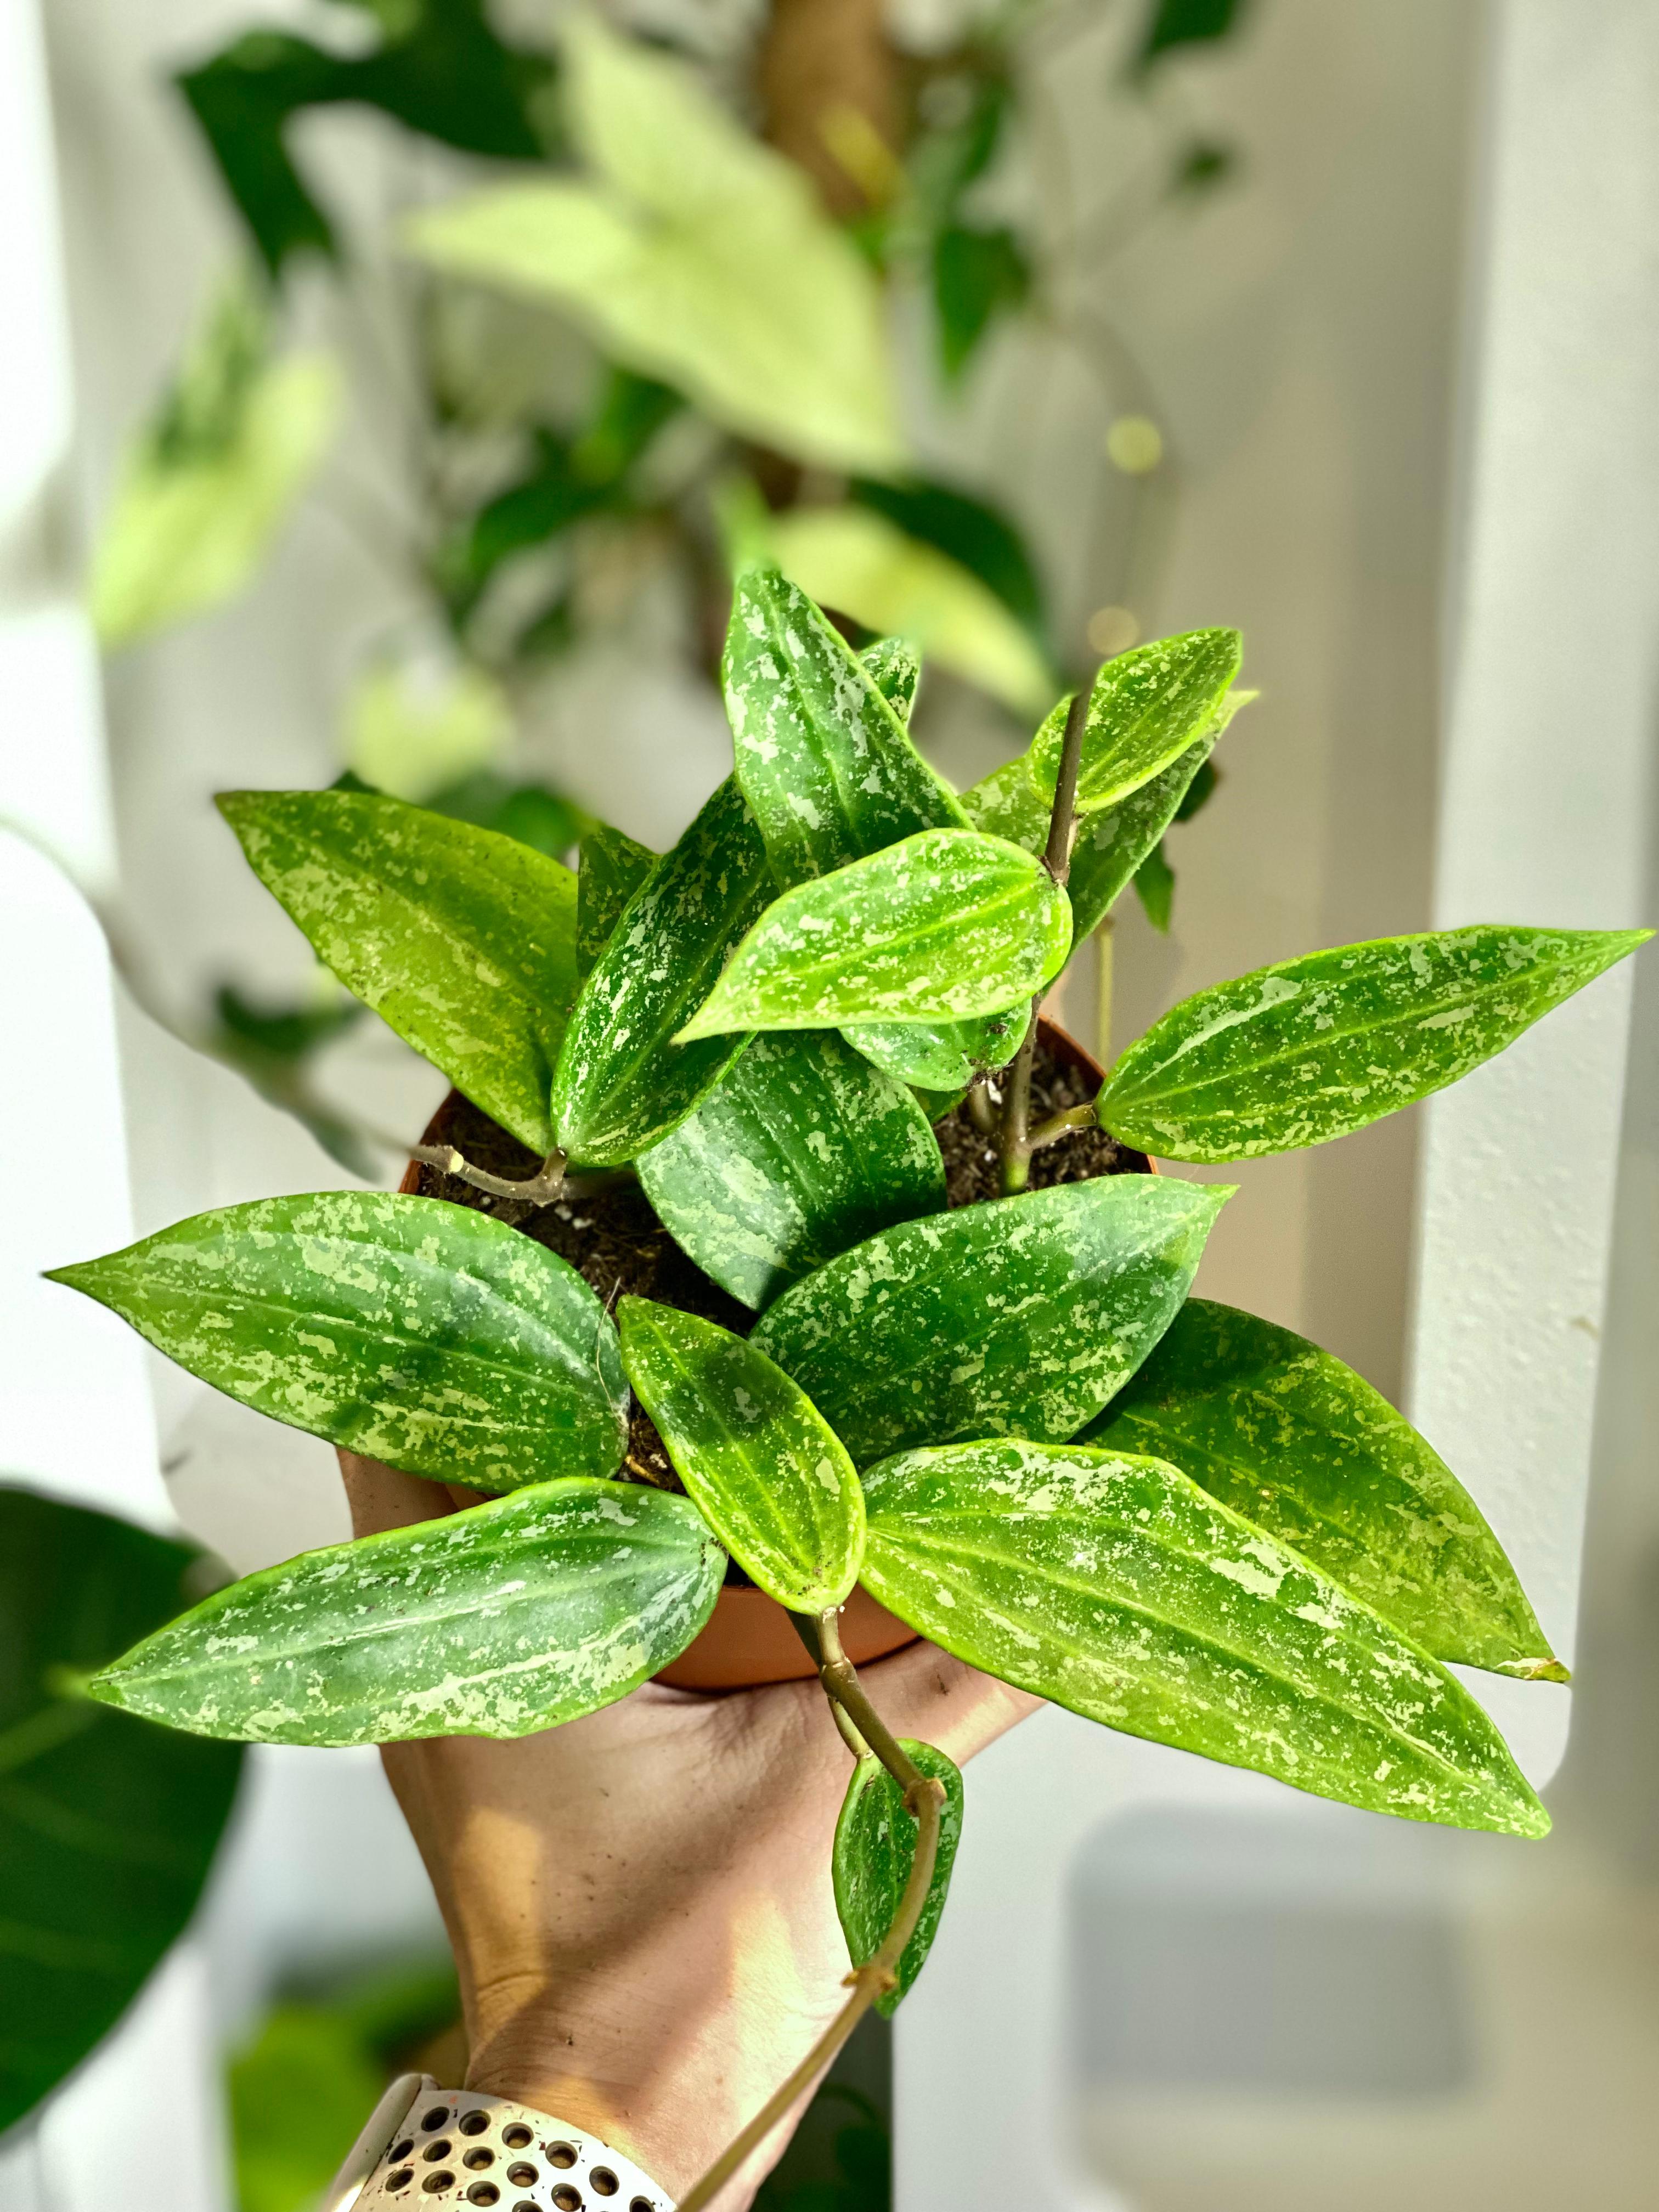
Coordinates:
(1014, 1139)
(540, 1190)
(924, 1799)
(1104, 947)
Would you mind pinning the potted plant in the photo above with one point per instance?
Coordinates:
(890, 1314)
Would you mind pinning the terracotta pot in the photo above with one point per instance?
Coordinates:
(749, 1639)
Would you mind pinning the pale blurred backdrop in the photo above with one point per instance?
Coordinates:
(1401, 360)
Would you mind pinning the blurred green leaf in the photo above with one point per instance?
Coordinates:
(1202, 167)
(1117, 1587)
(804, 1149)
(1021, 1317)
(698, 255)
(203, 490)
(856, 561)
(567, 478)
(1172, 23)
(107, 1825)
(498, 1621)
(439, 69)
(462, 940)
(409, 732)
(299, 2095)
(1300, 1444)
(940, 927)
(1154, 881)
(1313, 1048)
(758, 1460)
(875, 1849)
(301, 2087)
(969, 531)
(532, 814)
(977, 276)
(623, 1082)
(424, 1334)
(1200, 792)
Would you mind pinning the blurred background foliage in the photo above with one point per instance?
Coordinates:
(648, 284)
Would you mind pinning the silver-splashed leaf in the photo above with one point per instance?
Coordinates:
(1117, 1587)
(894, 667)
(622, 1081)
(943, 926)
(758, 1459)
(804, 1149)
(1146, 708)
(510, 1617)
(420, 1333)
(1300, 1444)
(610, 867)
(941, 1055)
(462, 940)
(1021, 1317)
(875, 1849)
(1313, 1048)
(823, 760)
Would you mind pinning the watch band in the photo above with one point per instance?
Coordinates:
(431, 2150)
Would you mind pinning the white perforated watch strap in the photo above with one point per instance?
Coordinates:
(430, 2149)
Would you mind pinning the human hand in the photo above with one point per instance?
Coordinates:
(639, 1901)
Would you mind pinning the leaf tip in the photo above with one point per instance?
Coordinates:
(1545, 1669)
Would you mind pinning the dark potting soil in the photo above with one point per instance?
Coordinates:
(611, 1236)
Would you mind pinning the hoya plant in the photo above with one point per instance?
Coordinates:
(928, 1328)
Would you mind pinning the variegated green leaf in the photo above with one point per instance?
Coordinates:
(943, 926)
(941, 1055)
(823, 761)
(803, 1150)
(498, 1621)
(1111, 843)
(1312, 1048)
(697, 253)
(1116, 1586)
(623, 1080)
(894, 667)
(875, 1849)
(1301, 1445)
(462, 941)
(1017, 1318)
(763, 1466)
(1146, 708)
(420, 1333)
(204, 489)
(610, 867)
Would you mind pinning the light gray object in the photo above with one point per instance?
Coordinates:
(427, 2145)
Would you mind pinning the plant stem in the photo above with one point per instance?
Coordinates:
(982, 1110)
(1061, 1125)
(1104, 993)
(924, 1799)
(540, 1190)
(1014, 1141)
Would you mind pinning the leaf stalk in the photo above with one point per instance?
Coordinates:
(924, 1800)
(1015, 1144)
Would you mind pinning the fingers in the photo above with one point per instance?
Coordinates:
(381, 1499)
(923, 1691)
